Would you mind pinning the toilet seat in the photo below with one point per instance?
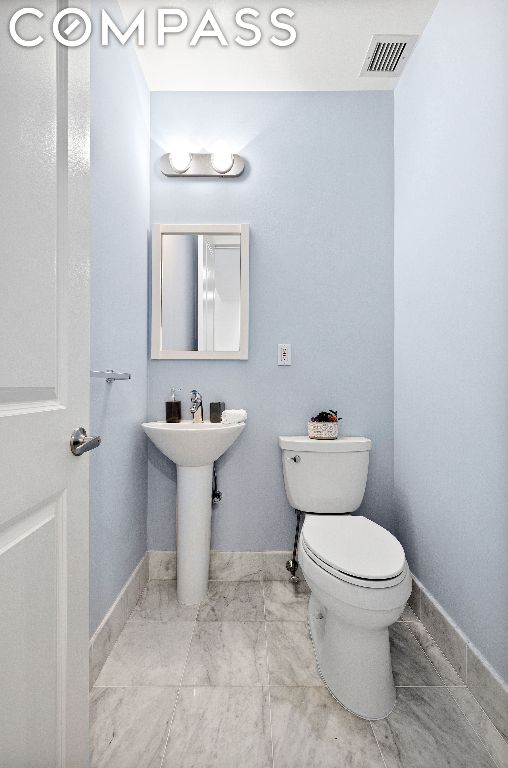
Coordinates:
(354, 549)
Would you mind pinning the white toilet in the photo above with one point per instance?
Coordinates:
(355, 569)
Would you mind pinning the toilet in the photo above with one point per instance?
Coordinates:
(356, 571)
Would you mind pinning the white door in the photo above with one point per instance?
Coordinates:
(44, 385)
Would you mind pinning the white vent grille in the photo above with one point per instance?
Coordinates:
(387, 55)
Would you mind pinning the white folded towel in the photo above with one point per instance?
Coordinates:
(234, 416)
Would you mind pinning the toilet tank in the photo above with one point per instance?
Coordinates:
(325, 476)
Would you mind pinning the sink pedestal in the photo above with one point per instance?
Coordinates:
(193, 447)
(193, 527)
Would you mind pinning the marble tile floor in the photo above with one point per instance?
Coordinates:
(233, 683)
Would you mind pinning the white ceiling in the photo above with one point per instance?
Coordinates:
(333, 39)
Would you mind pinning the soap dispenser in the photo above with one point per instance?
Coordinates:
(173, 408)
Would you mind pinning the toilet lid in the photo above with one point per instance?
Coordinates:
(354, 546)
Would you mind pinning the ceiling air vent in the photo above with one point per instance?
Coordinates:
(387, 55)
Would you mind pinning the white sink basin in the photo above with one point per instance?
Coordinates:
(192, 445)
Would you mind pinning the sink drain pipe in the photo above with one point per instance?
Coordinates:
(292, 565)
(216, 494)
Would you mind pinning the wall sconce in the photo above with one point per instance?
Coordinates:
(222, 164)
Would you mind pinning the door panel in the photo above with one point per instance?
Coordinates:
(29, 139)
(31, 561)
(44, 396)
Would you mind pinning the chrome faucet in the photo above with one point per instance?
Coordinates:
(196, 407)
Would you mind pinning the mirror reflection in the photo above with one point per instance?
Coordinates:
(200, 292)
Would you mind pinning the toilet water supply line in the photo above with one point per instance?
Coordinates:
(292, 565)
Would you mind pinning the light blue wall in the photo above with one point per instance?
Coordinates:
(451, 329)
(120, 220)
(318, 195)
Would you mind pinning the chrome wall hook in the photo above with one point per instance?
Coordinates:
(110, 375)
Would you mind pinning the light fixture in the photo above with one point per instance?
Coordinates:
(221, 164)
(222, 161)
(180, 160)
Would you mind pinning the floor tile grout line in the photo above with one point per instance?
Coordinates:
(450, 687)
(378, 744)
(268, 676)
(480, 706)
(468, 721)
(432, 686)
(173, 712)
(441, 677)
(447, 688)
(465, 685)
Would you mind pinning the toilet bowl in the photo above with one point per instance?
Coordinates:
(356, 571)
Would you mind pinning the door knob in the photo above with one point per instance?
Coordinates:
(81, 443)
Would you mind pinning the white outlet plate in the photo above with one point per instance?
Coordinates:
(284, 354)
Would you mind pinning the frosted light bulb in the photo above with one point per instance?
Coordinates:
(180, 160)
(222, 161)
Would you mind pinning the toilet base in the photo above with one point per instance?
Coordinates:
(354, 662)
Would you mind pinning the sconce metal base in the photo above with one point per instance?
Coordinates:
(201, 165)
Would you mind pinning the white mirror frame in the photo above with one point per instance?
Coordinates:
(158, 231)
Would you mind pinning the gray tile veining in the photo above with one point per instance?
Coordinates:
(93, 674)
(408, 614)
(409, 663)
(456, 659)
(242, 679)
(227, 653)
(107, 635)
(310, 728)
(427, 730)
(148, 653)
(443, 667)
(158, 602)
(220, 728)
(285, 601)
(494, 742)
(136, 586)
(162, 564)
(490, 692)
(113, 623)
(414, 599)
(451, 643)
(236, 566)
(128, 726)
(291, 658)
(233, 601)
(274, 565)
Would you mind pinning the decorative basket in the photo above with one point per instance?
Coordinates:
(323, 430)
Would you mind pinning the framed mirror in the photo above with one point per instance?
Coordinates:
(200, 291)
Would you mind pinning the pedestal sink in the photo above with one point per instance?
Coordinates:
(193, 448)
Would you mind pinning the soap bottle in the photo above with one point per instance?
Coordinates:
(173, 408)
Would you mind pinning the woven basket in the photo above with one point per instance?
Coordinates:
(323, 430)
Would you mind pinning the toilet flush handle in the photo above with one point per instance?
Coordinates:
(297, 459)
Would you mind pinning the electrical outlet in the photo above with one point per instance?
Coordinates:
(284, 356)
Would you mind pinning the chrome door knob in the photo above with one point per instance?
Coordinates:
(81, 443)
